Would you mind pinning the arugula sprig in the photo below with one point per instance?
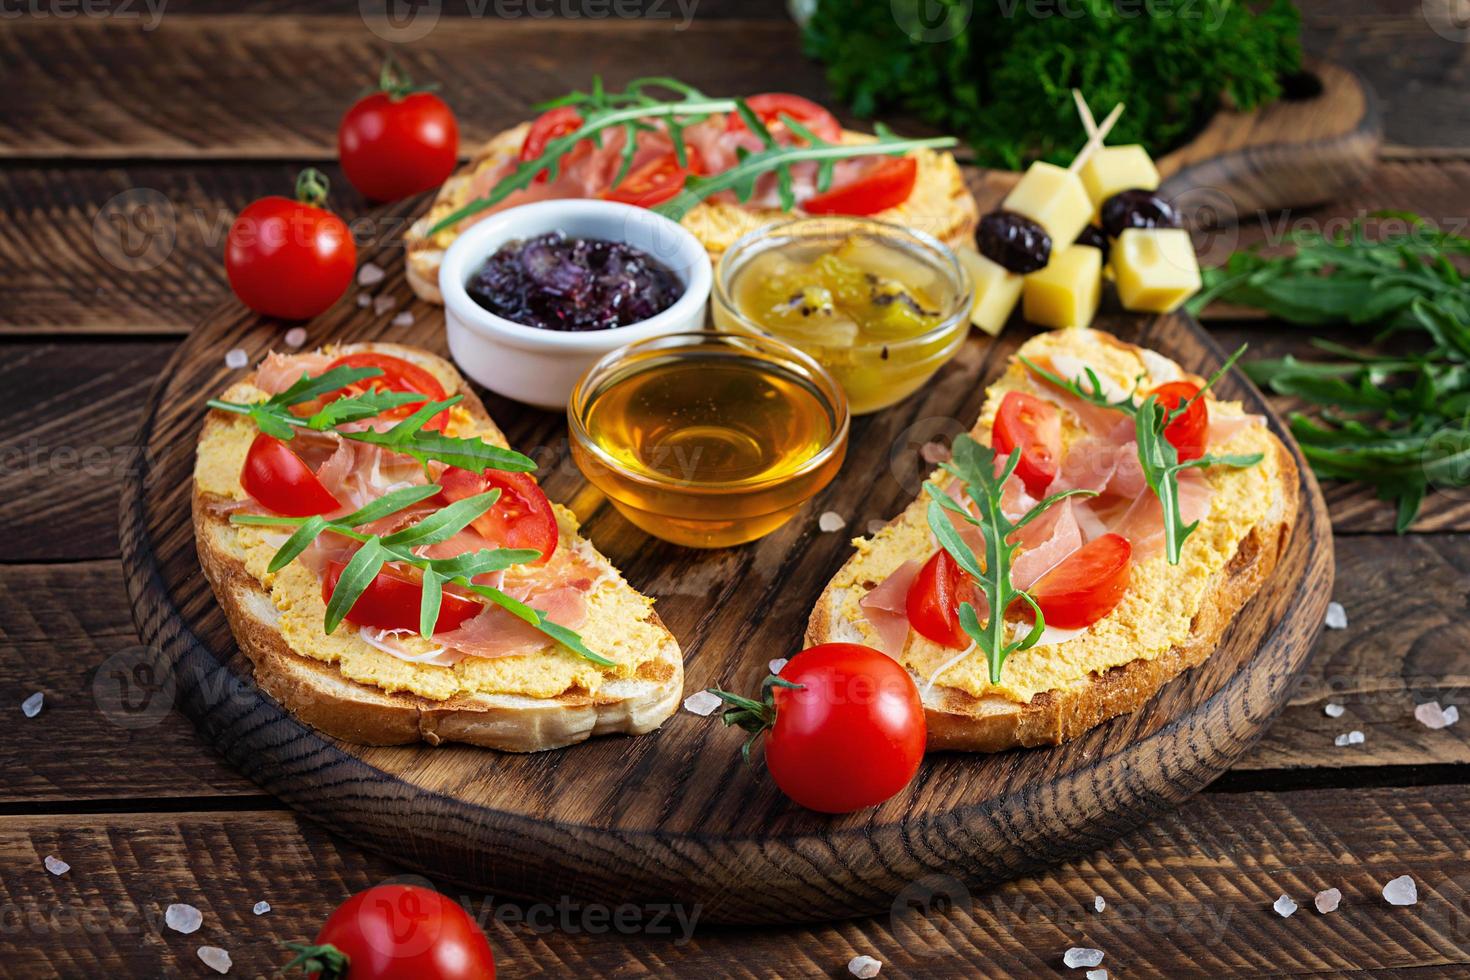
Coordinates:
(409, 437)
(399, 547)
(1157, 456)
(974, 465)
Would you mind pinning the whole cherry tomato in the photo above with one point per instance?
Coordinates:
(399, 140)
(846, 727)
(398, 932)
(1035, 427)
(290, 259)
(934, 601)
(1187, 433)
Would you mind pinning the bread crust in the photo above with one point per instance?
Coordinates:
(318, 694)
(958, 720)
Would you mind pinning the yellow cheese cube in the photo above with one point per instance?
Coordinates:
(997, 290)
(1067, 291)
(1055, 199)
(1118, 168)
(1156, 269)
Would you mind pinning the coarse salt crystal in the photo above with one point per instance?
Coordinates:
(1082, 956)
(55, 865)
(1431, 715)
(1284, 906)
(776, 665)
(934, 452)
(1329, 900)
(1401, 891)
(702, 703)
(382, 304)
(831, 521)
(31, 706)
(864, 967)
(183, 918)
(370, 274)
(1097, 975)
(236, 358)
(1451, 715)
(1098, 904)
(295, 337)
(1333, 710)
(1336, 616)
(1355, 738)
(404, 319)
(364, 299)
(216, 959)
(261, 908)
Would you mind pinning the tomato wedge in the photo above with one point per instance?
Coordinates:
(934, 600)
(548, 126)
(769, 107)
(1188, 432)
(398, 375)
(281, 482)
(1035, 426)
(656, 181)
(521, 518)
(886, 184)
(391, 602)
(1087, 584)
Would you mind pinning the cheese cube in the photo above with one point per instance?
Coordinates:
(1118, 168)
(1066, 293)
(1156, 269)
(1055, 199)
(997, 290)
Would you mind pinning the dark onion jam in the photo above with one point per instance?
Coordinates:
(560, 283)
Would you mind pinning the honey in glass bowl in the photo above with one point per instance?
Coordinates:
(708, 440)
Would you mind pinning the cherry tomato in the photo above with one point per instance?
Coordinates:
(391, 602)
(397, 141)
(281, 482)
(934, 601)
(398, 932)
(1087, 584)
(548, 126)
(886, 184)
(1188, 432)
(771, 106)
(521, 518)
(398, 375)
(1035, 426)
(290, 259)
(852, 737)
(656, 181)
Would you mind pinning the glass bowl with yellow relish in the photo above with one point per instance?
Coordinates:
(708, 439)
(880, 306)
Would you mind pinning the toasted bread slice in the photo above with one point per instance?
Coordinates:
(941, 205)
(1172, 619)
(346, 688)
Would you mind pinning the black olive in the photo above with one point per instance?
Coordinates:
(1013, 241)
(1137, 209)
(1093, 235)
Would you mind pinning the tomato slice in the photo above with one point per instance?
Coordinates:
(521, 518)
(281, 482)
(1087, 584)
(1188, 432)
(391, 602)
(1035, 426)
(548, 126)
(886, 184)
(398, 375)
(656, 181)
(934, 600)
(769, 107)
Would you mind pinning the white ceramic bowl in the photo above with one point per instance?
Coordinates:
(540, 367)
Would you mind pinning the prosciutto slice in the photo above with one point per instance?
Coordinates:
(886, 607)
(1224, 427)
(498, 633)
(280, 371)
(1045, 543)
(1143, 522)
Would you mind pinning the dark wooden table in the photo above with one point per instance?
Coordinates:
(217, 102)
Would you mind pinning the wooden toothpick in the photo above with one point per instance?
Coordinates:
(1084, 112)
(1095, 141)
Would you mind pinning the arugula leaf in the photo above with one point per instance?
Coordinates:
(361, 569)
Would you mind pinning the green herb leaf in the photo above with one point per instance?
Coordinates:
(356, 577)
(445, 523)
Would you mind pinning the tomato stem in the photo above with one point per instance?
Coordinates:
(326, 961)
(395, 83)
(311, 187)
(753, 716)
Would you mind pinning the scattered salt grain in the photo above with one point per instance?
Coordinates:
(1348, 738)
(404, 319)
(295, 337)
(776, 665)
(1329, 900)
(1333, 710)
(1336, 616)
(1097, 975)
(1401, 891)
(383, 303)
(236, 358)
(1431, 715)
(876, 525)
(183, 918)
(364, 299)
(216, 959)
(1082, 956)
(55, 865)
(864, 967)
(31, 706)
(831, 521)
(1098, 904)
(370, 274)
(261, 908)
(702, 703)
(934, 452)
(1284, 906)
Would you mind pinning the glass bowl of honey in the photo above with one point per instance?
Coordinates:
(880, 306)
(708, 439)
